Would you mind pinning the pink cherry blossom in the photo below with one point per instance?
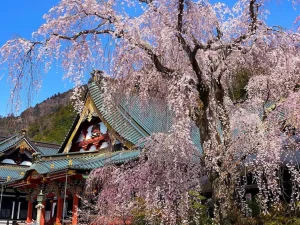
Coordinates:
(186, 53)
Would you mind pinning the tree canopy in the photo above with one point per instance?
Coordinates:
(187, 53)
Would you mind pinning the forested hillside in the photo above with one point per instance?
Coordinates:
(48, 121)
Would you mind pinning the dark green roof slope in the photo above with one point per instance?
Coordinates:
(13, 172)
(122, 157)
(153, 117)
(65, 141)
(117, 118)
(10, 142)
(60, 162)
(47, 150)
(54, 165)
(134, 121)
(43, 148)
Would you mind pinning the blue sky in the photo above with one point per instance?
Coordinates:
(24, 17)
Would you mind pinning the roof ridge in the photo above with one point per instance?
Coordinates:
(9, 138)
(74, 123)
(69, 133)
(31, 143)
(39, 143)
(10, 143)
(71, 154)
(13, 166)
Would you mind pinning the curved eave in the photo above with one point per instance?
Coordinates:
(80, 164)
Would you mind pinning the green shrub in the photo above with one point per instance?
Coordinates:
(198, 214)
(238, 83)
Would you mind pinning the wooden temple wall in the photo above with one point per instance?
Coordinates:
(60, 205)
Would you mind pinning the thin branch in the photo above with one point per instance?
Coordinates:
(84, 32)
(146, 1)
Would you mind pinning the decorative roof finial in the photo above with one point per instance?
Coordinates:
(97, 75)
(23, 131)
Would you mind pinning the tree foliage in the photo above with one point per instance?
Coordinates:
(54, 127)
(237, 86)
(186, 53)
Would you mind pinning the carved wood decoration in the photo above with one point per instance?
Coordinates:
(18, 154)
(35, 175)
(91, 135)
(52, 188)
(87, 116)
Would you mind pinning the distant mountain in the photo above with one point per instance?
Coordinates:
(48, 121)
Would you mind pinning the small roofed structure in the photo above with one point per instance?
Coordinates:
(99, 136)
(16, 157)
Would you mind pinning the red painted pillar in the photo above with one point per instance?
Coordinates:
(59, 210)
(74, 210)
(43, 213)
(29, 211)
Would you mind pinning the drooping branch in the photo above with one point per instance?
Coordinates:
(84, 32)
(185, 52)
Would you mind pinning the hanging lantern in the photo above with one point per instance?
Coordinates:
(40, 197)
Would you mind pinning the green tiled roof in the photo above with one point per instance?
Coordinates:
(60, 162)
(117, 119)
(153, 117)
(14, 172)
(88, 162)
(10, 142)
(57, 164)
(134, 121)
(122, 157)
(47, 150)
(44, 148)
(111, 158)
(130, 119)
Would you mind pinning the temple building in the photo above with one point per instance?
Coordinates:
(99, 136)
(16, 157)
